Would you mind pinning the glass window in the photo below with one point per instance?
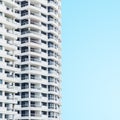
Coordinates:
(0, 13)
(1, 24)
(0, 92)
(1, 47)
(1, 82)
(1, 70)
(0, 115)
(0, 36)
(0, 104)
(0, 1)
(0, 58)
(7, 116)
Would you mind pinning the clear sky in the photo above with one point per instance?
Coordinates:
(91, 60)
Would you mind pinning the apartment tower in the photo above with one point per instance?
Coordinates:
(30, 59)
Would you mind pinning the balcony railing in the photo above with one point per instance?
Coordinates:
(34, 23)
(24, 69)
(35, 105)
(35, 115)
(25, 105)
(24, 78)
(10, 97)
(35, 50)
(31, 31)
(25, 87)
(35, 78)
(35, 96)
(34, 41)
(23, 5)
(24, 96)
(24, 59)
(25, 50)
(10, 65)
(38, 15)
(35, 6)
(34, 59)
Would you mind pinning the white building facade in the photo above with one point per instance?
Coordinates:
(30, 59)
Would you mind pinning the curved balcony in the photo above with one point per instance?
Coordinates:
(8, 55)
(32, 33)
(31, 70)
(34, 8)
(9, 33)
(53, 4)
(53, 48)
(54, 110)
(53, 57)
(55, 101)
(35, 61)
(40, 1)
(10, 12)
(53, 74)
(8, 45)
(54, 32)
(53, 22)
(9, 23)
(54, 40)
(54, 84)
(33, 43)
(53, 14)
(12, 89)
(54, 66)
(11, 3)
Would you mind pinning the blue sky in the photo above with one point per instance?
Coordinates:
(91, 60)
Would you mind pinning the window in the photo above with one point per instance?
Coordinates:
(50, 88)
(25, 21)
(0, 93)
(43, 6)
(43, 15)
(24, 95)
(1, 82)
(51, 114)
(44, 59)
(0, 58)
(0, 104)
(44, 104)
(44, 42)
(50, 35)
(1, 24)
(1, 36)
(24, 86)
(44, 86)
(0, 115)
(44, 112)
(43, 77)
(50, 79)
(6, 116)
(1, 47)
(0, 2)
(24, 12)
(44, 33)
(50, 97)
(43, 24)
(25, 113)
(24, 3)
(43, 50)
(50, 106)
(24, 104)
(44, 95)
(0, 70)
(0, 13)
(43, 68)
